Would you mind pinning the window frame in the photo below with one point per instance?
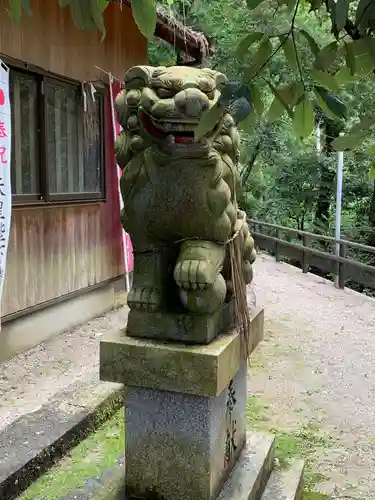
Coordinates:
(44, 197)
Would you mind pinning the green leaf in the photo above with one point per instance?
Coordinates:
(350, 57)
(371, 149)
(362, 54)
(144, 14)
(279, 104)
(344, 76)
(256, 98)
(325, 80)
(364, 124)
(370, 47)
(229, 92)
(340, 13)
(275, 110)
(290, 94)
(349, 141)
(372, 173)
(326, 56)
(246, 43)
(248, 124)
(240, 109)
(232, 91)
(316, 4)
(304, 117)
(323, 106)
(291, 4)
(331, 102)
(360, 46)
(364, 65)
(364, 15)
(260, 60)
(290, 52)
(15, 10)
(16, 7)
(253, 4)
(81, 15)
(208, 121)
(363, 5)
(314, 47)
(96, 11)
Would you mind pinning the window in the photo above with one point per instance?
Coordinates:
(57, 142)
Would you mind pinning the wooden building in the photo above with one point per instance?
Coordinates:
(65, 262)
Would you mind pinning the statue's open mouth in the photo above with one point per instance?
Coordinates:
(180, 133)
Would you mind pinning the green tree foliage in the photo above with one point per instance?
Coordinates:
(285, 180)
(325, 44)
(290, 63)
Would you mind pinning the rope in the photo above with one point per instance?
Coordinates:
(178, 242)
(241, 311)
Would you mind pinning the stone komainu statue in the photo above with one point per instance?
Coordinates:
(180, 196)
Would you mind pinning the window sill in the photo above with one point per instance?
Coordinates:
(19, 205)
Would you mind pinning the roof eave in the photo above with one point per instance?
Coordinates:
(177, 34)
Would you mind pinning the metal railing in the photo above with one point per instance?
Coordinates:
(276, 240)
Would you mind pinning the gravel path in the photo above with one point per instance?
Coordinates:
(53, 366)
(318, 364)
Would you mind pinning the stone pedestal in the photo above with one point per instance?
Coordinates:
(185, 411)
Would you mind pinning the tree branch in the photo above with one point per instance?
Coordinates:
(298, 61)
(290, 32)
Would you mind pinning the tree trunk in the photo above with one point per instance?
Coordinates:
(327, 176)
(323, 204)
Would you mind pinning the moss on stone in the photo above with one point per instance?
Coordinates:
(96, 454)
(101, 450)
(302, 442)
(312, 495)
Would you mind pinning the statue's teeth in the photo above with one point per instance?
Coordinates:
(172, 127)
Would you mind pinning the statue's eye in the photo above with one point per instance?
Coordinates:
(164, 93)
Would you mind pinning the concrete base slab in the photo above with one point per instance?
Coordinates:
(286, 484)
(252, 470)
(31, 444)
(246, 482)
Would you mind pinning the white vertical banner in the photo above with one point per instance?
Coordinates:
(5, 165)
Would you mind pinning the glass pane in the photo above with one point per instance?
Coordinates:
(24, 102)
(93, 145)
(62, 124)
(74, 150)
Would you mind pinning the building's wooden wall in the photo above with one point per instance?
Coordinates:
(57, 250)
(50, 40)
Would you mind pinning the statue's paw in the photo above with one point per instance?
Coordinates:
(194, 274)
(205, 301)
(144, 299)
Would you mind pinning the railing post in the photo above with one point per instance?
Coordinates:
(255, 229)
(305, 255)
(277, 254)
(342, 265)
